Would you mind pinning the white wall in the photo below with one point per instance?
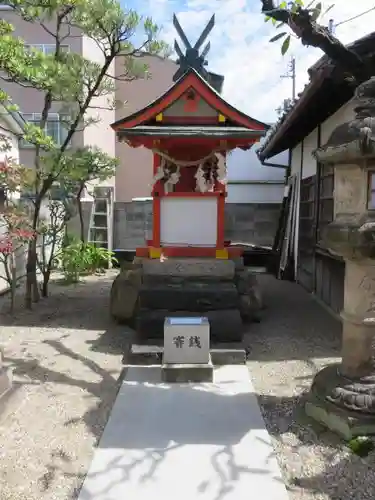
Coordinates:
(309, 163)
(310, 143)
(251, 182)
(296, 159)
(344, 114)
(256, 193)
(99, 134)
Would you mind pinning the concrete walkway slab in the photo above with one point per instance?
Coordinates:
(200, 441)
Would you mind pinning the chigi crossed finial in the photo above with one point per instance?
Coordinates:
(192, 58)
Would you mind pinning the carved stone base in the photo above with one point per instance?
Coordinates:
(346, 406)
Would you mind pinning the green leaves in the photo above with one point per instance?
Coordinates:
(285, 45)
(80, 259)
(84, 165)
(316, 11)
(287, 13)
(278, 36)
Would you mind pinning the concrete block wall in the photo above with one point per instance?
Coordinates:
(252, 223)
(132, 224)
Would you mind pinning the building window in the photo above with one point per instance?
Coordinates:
(55, 127)
(371, 191)
(47, 48)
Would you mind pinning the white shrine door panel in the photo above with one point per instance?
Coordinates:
(188, 221)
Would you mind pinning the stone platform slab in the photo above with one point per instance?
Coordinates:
(192, 296)
(178, 373)
(188, 441)
(189, 267)
(143, 354)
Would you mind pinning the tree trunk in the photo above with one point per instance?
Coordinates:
(46, 278)
(32, 291)
(80, 214)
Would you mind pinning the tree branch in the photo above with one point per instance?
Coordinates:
(313, 34)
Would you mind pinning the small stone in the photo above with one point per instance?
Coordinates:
(250, 305)
(246, 309)
(247, 284)
(124, 294)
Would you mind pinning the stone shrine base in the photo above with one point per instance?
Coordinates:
(224, 291)
(338, 417)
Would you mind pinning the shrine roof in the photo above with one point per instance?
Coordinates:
(191, 79)
(190, 131)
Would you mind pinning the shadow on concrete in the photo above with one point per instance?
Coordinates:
(141, 424)
(339, 478)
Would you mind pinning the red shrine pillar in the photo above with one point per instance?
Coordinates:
(156, 205)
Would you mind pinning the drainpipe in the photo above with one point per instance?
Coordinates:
(284, 202)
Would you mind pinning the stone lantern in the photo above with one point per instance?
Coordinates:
(342, 396)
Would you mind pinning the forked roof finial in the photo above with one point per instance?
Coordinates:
(192, 58)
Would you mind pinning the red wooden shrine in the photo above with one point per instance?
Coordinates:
(190, 130)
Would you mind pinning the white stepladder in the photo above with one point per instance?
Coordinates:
(100, 231)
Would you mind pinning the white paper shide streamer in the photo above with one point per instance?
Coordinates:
(209, 169)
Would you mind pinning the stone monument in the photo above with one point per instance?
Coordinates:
(343, 396)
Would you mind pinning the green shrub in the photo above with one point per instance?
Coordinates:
(79, 259)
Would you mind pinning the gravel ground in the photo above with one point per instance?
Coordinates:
(67, 359)
(295, 339)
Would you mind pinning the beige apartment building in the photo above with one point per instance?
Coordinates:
(30, 101)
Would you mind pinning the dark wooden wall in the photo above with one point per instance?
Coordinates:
(319, 271)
